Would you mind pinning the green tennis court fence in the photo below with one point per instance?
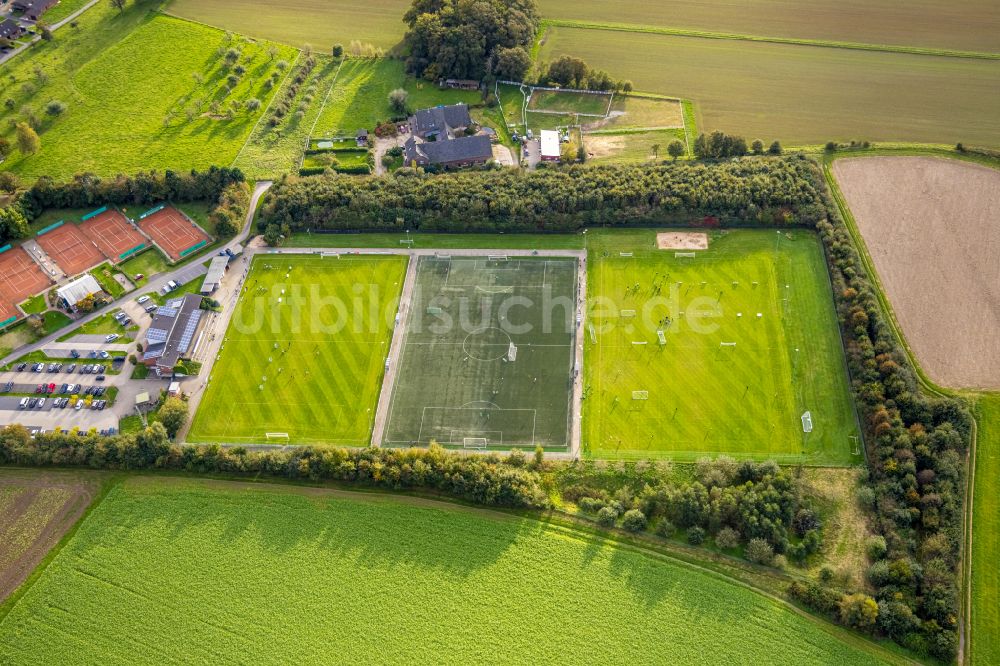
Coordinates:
(8, 321)
(128, 253)
(94, 213)
(194, 247)
(152, 210)
(54, 225)
(5, 248)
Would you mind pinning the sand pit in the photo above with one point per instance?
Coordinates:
(930, 227)
(682, 240)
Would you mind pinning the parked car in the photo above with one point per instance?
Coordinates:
(23, 403)
(104, 354)
(52, 388)
(32, 402)
(52, 367)
(99, 378)
(127, 321)
(21, 367)
(143, 299)
(79, 405)
(75, 354)
(41, 403)
(112, 337)
(71, 367)
(151, 308)
(38, 367)
(9, 387)
(139, 276)
(39, 388)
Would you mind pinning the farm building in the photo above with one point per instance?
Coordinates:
(173, 333)
(77, 291)
(440, 122)
(216, 271)
(550, 145)
(464, 151)
(461, 84)
(33, 9)
(10, 29)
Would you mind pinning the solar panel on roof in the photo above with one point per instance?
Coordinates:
(155, 335)
(189, 328)
(166, 311)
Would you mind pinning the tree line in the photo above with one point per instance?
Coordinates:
(86, 190)
(758, 192)
(914, 486)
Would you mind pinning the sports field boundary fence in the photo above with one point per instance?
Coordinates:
(51, 227)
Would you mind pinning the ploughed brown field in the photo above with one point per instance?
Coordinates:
(36, 509)
(931, 227)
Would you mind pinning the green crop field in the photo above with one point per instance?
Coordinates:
(294, 575)
(456, 379)
(319, 333)
(705, 398)
(985, 622)
(802, 94)
(971, 25)
(320, 23)
(141, 91)
(361, 96)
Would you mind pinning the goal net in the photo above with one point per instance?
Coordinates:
(497, 257)
(662, 337)
(807, 422)
(276, 436)
(684, 255)
(640, 395)
(474, 442)
(625, 255)
(512, 352)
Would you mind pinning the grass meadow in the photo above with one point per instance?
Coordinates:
(569, 102)
(268, 574)
(361, 96)
(634, 111)
(985, 621)
(455, 379)
(141, 91)
(704, 398)
(630, 147)
(320, 336)
(802, 94)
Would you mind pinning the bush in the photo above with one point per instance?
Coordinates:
(695, 536)
(55, 107)
(858, 611)
(634, 520)
(590, 504)
(727, 538)
(607, 516)
(759, 551)
(875, 547)
(665, 529)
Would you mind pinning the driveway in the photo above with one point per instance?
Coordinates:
(532, 152)
(382, 145)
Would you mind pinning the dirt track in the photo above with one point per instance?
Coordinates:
(931, 227)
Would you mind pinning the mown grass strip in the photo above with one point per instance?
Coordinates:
(708, 34)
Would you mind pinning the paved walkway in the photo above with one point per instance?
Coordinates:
(395, 351)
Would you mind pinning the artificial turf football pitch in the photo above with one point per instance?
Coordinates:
(488, 355)
(750, 343)
(304, 353)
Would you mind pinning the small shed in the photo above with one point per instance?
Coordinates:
(550, 145)
(142, 399)
(78, 290)
(174, 389)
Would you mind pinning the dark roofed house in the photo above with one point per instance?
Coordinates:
(172, 334)
(10, 29)
(463, 151)
(33, 9)
(440, 122)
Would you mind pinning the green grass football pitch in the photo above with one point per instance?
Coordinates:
(766, 292)
(322, 350)
(457, 384)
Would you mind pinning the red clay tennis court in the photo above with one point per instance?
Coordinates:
(113, 235)
(71, 249)
(20, 278)
(173, 233)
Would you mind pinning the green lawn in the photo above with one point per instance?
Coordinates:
(274, 150)
(361, 96)
(569, 102)
(456, 380)
(323, 357)
(272, 574)
(103, 325)
(105, 277)
(35, 305)
(644, 112)
(802, 94)
(985, 622)
(63, 10)
(142, 91)
(705, 398)
(149, 262)
(630, 147)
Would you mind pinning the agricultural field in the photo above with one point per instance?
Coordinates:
(315, 336)
(181, 111)
(767, 292)
(36, 509)
(802, 94)
(320, 23)
(929, 225)
(630, 147)
(972, 25)
(360, 97)
(297, 574)
(985, 593)
(273, 149)
(459, 381)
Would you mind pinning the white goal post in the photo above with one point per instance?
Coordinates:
(625, 255)
(474, 442)
(627, 314)
(276, 435)
(684, 255)
(497, 257)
